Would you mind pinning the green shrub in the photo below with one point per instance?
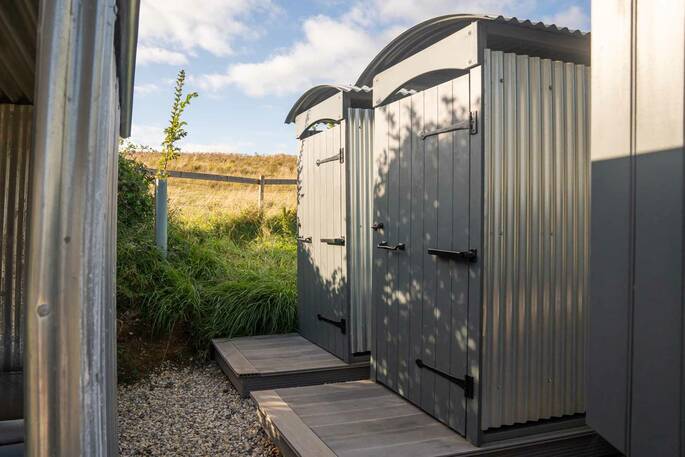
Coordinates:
(223, 277)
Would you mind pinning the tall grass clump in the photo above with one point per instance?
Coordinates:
(225, 275)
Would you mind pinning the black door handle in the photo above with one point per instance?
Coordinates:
(387, 247)
(334, 241)
(470, 256)
(377, 226)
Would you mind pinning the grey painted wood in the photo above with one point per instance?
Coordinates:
(475, 309)
(404, 279)
(421, 302)
(428, 281)
(392, 282)
(416, 248)
(380, 208)
(323, 268)
(636, 359)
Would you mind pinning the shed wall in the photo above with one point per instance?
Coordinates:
(71, 267)
(15, 162)
(636, 355)
(535, 238)
(15, 151)
(359, 159)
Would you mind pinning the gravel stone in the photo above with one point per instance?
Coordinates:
(189, 411)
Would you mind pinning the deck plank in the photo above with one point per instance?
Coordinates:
(365, 419)
(277, 361)
(238, 362)
(281, 420)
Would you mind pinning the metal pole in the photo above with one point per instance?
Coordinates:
(261, 193)
(161, 215)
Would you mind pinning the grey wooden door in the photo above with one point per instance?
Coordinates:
(322, 287)
(421, 196)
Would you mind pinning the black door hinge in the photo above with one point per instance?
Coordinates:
(466, 384)
(341, 324)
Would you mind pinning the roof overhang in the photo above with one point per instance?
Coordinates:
(358, 97)
(18, 41)
(452, 31)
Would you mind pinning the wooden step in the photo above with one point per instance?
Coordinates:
(364, 419)
(277, 361)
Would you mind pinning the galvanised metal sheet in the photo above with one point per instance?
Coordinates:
(535, 238)
(70, 370)
(15, 155)
(359, 159)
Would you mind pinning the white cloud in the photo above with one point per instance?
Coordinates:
(411, 11)
(330, 51)
(573, 17)
(147, 88)
(153, 54)
(337, 49)
(147, 135)
(180, 28)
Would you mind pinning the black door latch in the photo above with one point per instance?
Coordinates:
(387, 247)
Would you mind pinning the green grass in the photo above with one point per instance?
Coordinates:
(225, 276)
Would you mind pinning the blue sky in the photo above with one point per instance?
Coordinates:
(251, 59)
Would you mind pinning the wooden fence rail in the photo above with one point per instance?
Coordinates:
(234, 179)
(161, 217)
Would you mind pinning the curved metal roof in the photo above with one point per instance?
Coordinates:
(433, 30)
(319, 93)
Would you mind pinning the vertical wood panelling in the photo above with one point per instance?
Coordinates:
(535, 250)
(404, 280)
(415, 248)
(423, 200)
(323, 286)
(380, 209)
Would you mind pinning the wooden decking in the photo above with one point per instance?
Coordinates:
(275, 361)
(362, 418)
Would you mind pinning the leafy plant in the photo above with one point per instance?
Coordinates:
(135, 201)
(176, 130)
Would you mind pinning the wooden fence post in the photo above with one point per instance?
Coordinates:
(261, 193)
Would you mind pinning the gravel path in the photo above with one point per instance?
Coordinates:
(188, 411)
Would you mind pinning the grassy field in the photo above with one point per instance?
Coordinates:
(231, 270)
(198, 199)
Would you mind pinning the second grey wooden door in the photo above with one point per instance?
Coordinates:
(323, 296)
(422, 255)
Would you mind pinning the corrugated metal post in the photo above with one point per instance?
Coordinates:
(261, 193)
(161, 215)
(70, 347)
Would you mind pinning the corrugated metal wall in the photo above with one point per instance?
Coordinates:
(71, 266)
(15, 153)
(536, 250)
(359, 158)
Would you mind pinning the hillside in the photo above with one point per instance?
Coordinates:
(192, 198)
